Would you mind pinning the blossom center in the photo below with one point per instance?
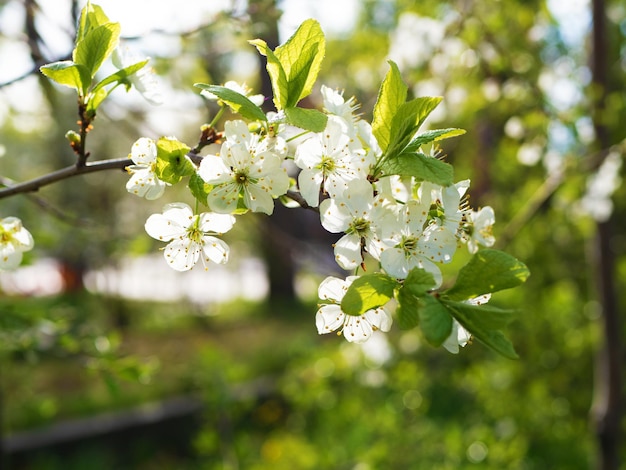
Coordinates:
(241, 177)
(408, 245)
(193, 231)
(327, 165)
(359, 226)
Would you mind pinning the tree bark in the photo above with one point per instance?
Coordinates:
(606, 408)
(276, 232)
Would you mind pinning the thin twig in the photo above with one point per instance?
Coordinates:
(64, 173)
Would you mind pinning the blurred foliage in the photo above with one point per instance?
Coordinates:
(277, 395)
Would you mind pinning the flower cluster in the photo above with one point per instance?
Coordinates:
(381, 187)
(401, 223)
(14, 241)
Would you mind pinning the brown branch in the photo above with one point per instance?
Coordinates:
(297, 197)
(34, 184)
(64, 173)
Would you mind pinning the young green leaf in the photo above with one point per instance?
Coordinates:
(96, 46)
(69, 74)
(419, 282)
(407, 311)
(434, 319)
(488, 271)
(420, 166)
(172, 161)
(301, 58)
(408, 119)
(431, 136)
(367, 292)
(308, 119)
(91, 16)
(391, 95)
(121, 76)
(484, 326)
(278, 77)
(95, 99)
(236, 101)
(486, 317)
(199, 188)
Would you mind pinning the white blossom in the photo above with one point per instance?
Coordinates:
(329, 160)
(190, 235)
(14, 241)
(336, 104)
(416, 243)
(143, 181)
(361, 216)
(248, 167)
(330, 317)
(459, 336)
(479, 228)
(144, 80)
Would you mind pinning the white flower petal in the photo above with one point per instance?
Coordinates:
(182, 255)
(144, 183)
(216, 223)
(162, 228)
(438, 244)
(333, 288)
(379, 318)
(334, 217)
(213, 170)
(329, 318)
(236, 156)
(258, 200)
(309, 153)
(143, 151)
(10, 260)
(480, 300)
(216, 250)
(357, 329)
(348, 251)
(395, 263)
(223, 199)
(179, 212)
(459, 336)
(310, 182)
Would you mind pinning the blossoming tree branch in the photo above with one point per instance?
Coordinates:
(382, 187)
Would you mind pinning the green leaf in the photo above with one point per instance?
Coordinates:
(309, 119)
(407, 311)
(499, 343)
(91, 17)
(486, 317)
(434, 319)
(408, 119)
(236, 101)
(488, 271)
(69, 74)
(484, 325)
(419, 282)
(301, 58)
(199, 188)
(368, 292)
(95, 99)
(420, 166)
(98, 93)
(172, 161)
(391, 96)
(277, 74)
(432, 136)
(121, 76)
(96, 46)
